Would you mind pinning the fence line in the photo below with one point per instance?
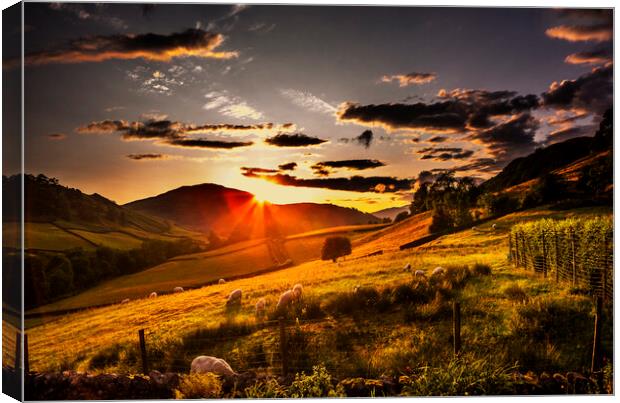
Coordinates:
(568, 257)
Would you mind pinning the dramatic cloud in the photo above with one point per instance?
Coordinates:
(250, 171)
(565, 133)
(308, 101)
(90, 12)
(598, 56)
(591, 92)
(231, 106)
(581, 33)
(293, 140)
(437, 139)
(510, 139)
(410, 79)
(192, 42)
(142, 157)
(376, 184)
(290, 166)
(460, 110)
(56, 136)
(444, 153)
(204, 143)
(324, 168)
(364, 139)
(486, 165)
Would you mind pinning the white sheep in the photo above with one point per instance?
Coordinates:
(407, 267)
(438, 271)
(221, 281)
(357, 288)
(234, 297)
(178, 289)
(494, 227)
(126, 300)
(204, 364)
(153, 295)
(298, 290)
(260, 306)
(286, 299)
(419, 273)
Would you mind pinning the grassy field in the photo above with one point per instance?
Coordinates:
(199, 268)
(502, 315)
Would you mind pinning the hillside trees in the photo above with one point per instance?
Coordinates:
(335, 247)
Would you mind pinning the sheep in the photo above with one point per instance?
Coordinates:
(419, 273)
(286, 299)
(234, 297)
(494, 227)
(407, 267)
(204, 364)
(153, 295)
(178, 289)
(126, 300)
(438, 271)
(260, 307)
(221, 281)
(357, 288)
(298, 290)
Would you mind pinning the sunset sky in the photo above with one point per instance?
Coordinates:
(130, 101)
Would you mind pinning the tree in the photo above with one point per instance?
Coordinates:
(335, 247)
(401, 216)
(441, 219)
(499, 204)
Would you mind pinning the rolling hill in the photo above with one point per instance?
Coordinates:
(390, 212)
(231, 212)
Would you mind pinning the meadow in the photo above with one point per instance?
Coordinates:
(503, 313)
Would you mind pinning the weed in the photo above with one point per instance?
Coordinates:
(318, 384)
(199, 386)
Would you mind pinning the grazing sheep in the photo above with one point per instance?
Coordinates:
(298, 290)
(126, 300)
(234, 297)
(221, 281)
(407, 267)
(286, 299)
(438, 271)
(419, 273)
(153, 295)
(178, 289)
(357, 288)
(204, 364)
(494, 227)
(260, 306)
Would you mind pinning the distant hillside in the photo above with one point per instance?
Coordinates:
(553, 157)
(391, 212)
(210, 207)
(60, 218)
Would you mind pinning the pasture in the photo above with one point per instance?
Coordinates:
(497, 311)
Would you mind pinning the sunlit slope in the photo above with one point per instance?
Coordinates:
(243, 258)
(76, 336)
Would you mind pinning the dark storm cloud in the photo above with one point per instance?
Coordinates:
(290, 166)
(486, 165)
(597, 56)
(510, 139)
(444, 153)
(205, 143)
(459, 111)
(437, 139)
(56, 136)
(591, 92)
(293, 140)
(251, 171)
(140, 157)
(563, 134)
(324, 168)
(365, 138)
(410, 79)
(156, 47)
(376, 184)
(584, 25)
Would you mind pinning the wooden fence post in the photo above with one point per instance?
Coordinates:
(145, 363)
(557, 256)
(18, 344)
(605, 268)
(597, 358)
(572, 242)
(456, 327)
(26, 360)
(544, 254)
(283, 349)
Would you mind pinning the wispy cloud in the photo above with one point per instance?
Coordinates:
(56, 136)
(405, 80)
(231, 106)
(308, 101)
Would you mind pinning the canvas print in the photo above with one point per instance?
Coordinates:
(290, 201)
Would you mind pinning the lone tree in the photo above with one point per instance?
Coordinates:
(335, 247)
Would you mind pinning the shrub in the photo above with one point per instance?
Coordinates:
(481, 269)
(335, 247)
(269, 389)
(515, 292)
(199, 386)
(318, 384)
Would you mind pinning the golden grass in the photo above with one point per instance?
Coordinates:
(79, 335)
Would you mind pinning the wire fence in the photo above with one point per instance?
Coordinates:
(583, 259)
